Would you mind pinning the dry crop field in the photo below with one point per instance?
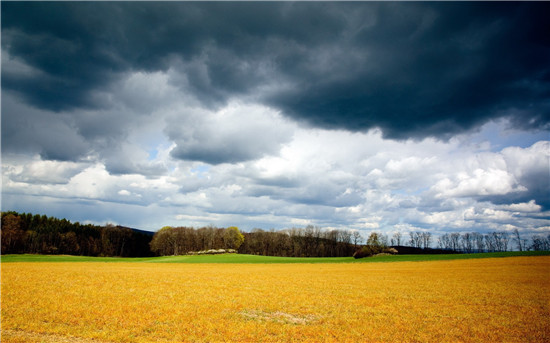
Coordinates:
(485, 300)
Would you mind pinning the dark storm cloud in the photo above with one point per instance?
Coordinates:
(411, 69)
(32, 131)
(434, 69)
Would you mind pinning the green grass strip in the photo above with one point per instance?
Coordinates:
(238, 258)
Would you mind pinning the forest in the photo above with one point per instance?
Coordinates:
(40, 234)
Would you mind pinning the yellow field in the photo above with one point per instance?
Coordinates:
(488, 300)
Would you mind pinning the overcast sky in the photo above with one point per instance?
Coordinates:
(364, 115)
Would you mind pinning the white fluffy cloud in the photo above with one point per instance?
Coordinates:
(235, 133)
(479, 183)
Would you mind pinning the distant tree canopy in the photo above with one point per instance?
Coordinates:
(233, 238)
(307, 242)
(182, 240)
(376, 239)
(36, 234)
(311, 241)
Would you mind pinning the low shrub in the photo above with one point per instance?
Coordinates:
(371, 250)
(382, 254)
(213, 252)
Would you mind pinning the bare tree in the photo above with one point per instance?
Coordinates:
(356, 238)
(344, 236)
(490, 242)
(444, 241)
(396, 239)
(478, 238)
(416, 239)
(540, 243)
(426, 239)
(498, 241)
(383, 240)
(503, 240)
(518, 239)
(467, 242)
(455, 241)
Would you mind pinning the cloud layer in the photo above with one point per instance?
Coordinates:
(412, 70)
(370, 116)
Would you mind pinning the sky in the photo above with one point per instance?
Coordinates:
(369, 116)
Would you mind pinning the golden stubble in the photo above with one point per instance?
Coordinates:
(486, 300)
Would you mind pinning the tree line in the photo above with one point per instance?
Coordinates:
(183, 240)
(472, 242)
(297, 242)
(311, 241)
(26, 233)
(39, 234)
(497, 241)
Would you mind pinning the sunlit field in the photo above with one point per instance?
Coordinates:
(482, 300)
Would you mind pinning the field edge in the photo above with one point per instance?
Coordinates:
(243, 258)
